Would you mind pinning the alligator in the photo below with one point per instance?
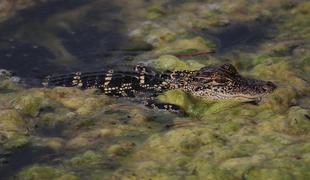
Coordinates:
(208, 83)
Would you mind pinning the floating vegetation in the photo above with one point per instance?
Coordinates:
(67, 133)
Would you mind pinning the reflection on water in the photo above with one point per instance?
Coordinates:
(24, 157)
(240, 35)
(63, 36)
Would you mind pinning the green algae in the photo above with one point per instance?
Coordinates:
(29, 104)
(195, 106)
(88, 159)
(159, 36)
(155, 12)
(209, 171)
(265, 173)
(297, 120)
(280, 168)
(296, 22)
(108, 139)
(8, 86)
(82, 103)
(13, 129)
(181, 45)
(54, 143)
(45, 172)
(117, 150)
(169, 62)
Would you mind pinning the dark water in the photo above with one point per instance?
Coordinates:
(247, 36)
(25, 49)
(23, 157)
(27, 40)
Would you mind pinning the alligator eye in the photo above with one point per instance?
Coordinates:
(220, 80)
(229, 68)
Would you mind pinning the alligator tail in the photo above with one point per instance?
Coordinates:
(79, 79)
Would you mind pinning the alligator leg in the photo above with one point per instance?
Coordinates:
(142, 69)
(153, 104)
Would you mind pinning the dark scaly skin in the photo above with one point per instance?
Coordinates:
(208, 83)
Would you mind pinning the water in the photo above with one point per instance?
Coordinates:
(247, 36)
(33, 48)
(33, 45)
(82, 35)
(59, 37)
(23, 157)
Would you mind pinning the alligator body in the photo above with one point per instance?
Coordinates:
(209, 83)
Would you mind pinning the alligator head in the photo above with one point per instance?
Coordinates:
(224, 82)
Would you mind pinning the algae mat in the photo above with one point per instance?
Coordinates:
(66, 133)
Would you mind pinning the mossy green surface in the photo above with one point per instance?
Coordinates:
(88, 159)
(196, 106)
(92, 136)
(181, 45)
(45, 172)
(13, 129)
(155, 12)
(29, 104)
(169, 62)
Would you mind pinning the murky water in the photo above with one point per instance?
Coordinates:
(86, 135)
(25, 157)
(33, 45)
(246, 36)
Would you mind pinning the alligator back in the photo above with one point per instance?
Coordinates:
(109, 82)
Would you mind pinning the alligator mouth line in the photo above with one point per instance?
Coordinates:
(248, 98)
(245, 98)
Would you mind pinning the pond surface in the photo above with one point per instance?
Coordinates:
(33, 47)
(66, 133)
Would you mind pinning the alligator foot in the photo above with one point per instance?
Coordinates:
(164, 107)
